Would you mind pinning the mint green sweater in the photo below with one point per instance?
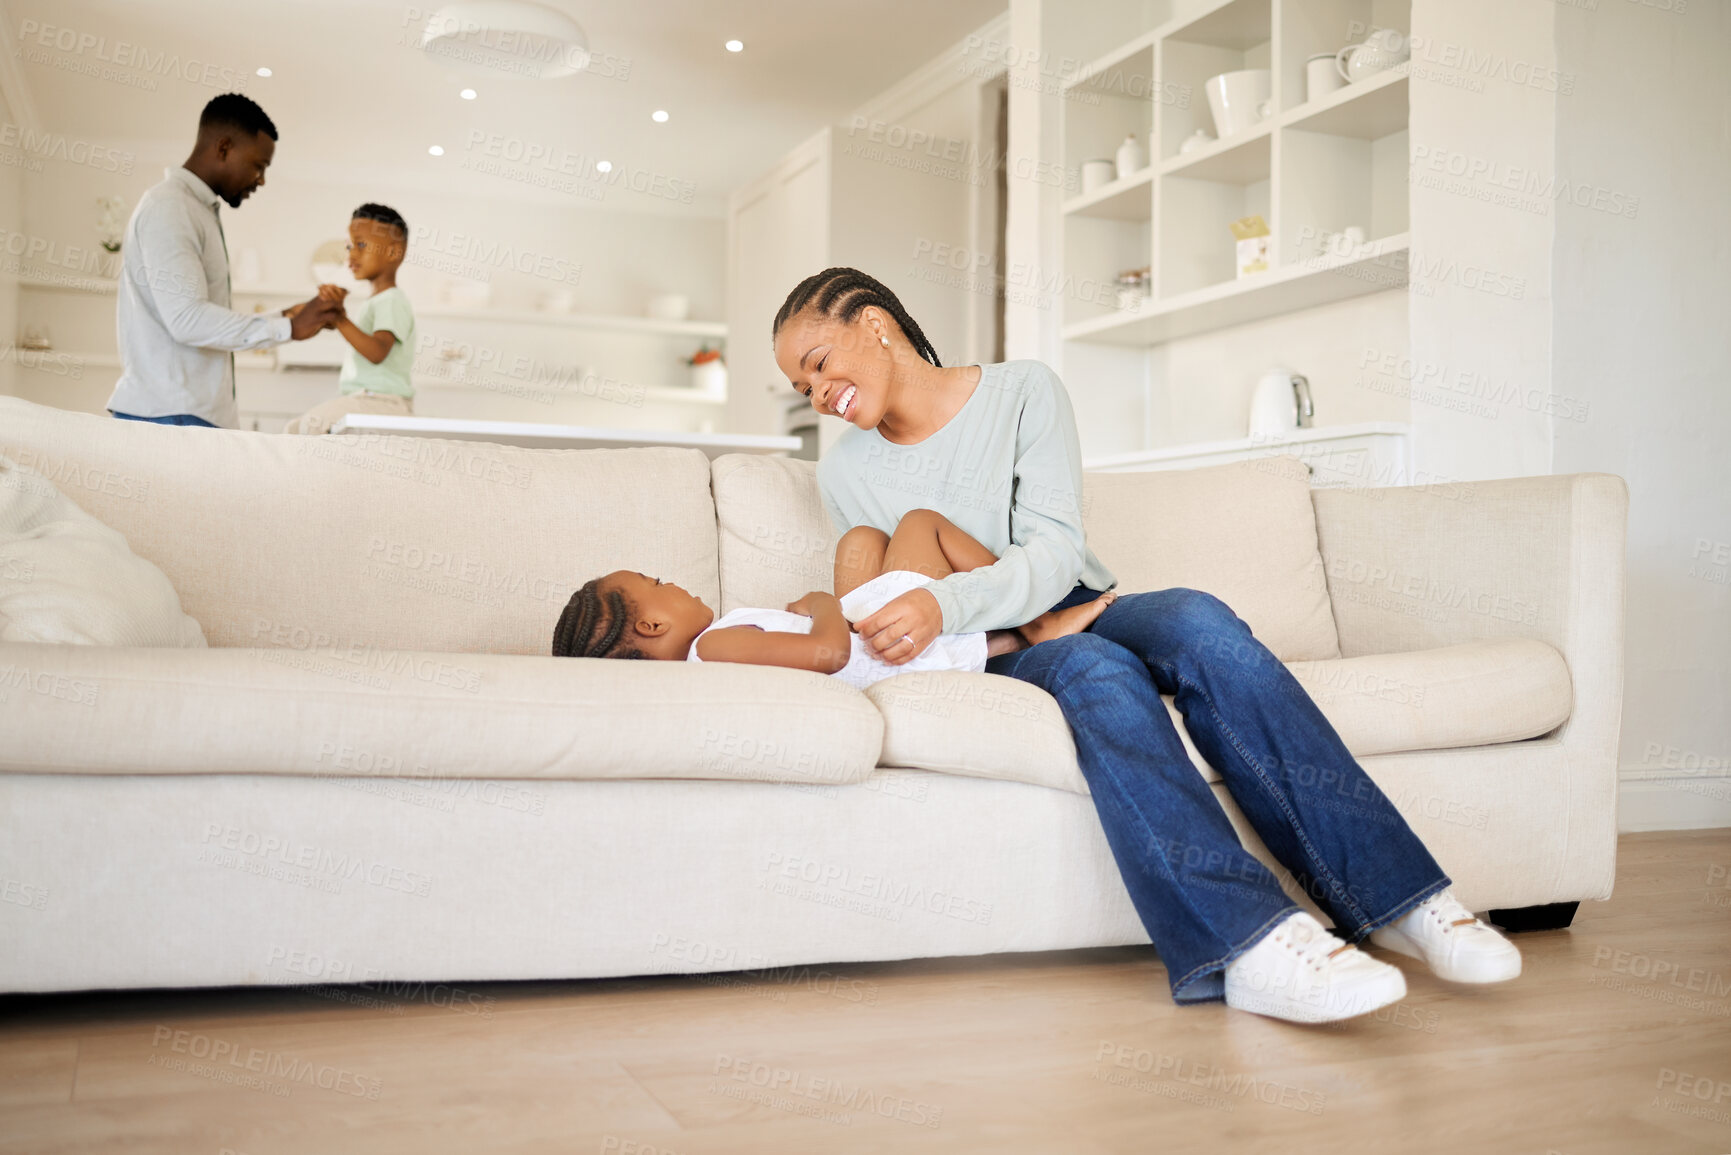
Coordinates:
(1007, 469)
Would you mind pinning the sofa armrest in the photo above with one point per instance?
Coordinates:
(1536, 557)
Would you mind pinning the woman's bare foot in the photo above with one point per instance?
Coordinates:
(1063, 623)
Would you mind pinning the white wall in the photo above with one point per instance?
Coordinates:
(1643, 342)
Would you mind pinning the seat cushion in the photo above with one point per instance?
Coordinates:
(1480, 693)
(334, 706)
(408, 543)
(1245, 533)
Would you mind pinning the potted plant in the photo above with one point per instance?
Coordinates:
(708, 371)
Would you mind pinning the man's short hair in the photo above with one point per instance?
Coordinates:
(384, 214)
(232, 110)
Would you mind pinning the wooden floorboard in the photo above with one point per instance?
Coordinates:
(1070, 1052)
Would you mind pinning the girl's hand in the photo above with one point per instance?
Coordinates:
(333, 293)
(901, 631)
(810, 602)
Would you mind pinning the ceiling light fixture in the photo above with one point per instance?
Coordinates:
(468, 94)
(436, 150)
(736, 46)
(603, 166)
(517, 37)
(659, 116)
(264, 72)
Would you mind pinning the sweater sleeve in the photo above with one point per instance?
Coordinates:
(1049, 549)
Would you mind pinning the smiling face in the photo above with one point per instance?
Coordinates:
(241, 159)
(844, 367)
(666, 619)
(374, 248)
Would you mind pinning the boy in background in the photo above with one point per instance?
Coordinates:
(375, 374)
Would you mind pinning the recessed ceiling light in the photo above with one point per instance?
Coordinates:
(467, 94)
(736, 46)
(603, 166)
(659, 116)
(264, 72)
(436, 150)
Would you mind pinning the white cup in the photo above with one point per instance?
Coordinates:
(1322, 76)
(1239, 99)
(1097, 174)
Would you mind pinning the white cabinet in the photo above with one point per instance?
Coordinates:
(1369, 455)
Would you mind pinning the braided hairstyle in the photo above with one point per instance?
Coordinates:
(842, 293)
(593, 624)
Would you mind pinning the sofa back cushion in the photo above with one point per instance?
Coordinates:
(1245, 533)
(367, 541)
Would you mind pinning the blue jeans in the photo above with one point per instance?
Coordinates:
(171, 419)
(1203, 898)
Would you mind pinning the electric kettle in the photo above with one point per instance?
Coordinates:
(1280, 404)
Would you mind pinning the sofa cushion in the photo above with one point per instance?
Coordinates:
(412, 543)
(67, 578)
(1245, 533)
(776, 542)
(1480, 693)
(338, 706)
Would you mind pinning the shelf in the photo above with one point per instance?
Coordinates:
(1368, 110)
(536, 435)
(615, 323)
(1116, 201)
(1233, 24)
(1118, 72)
(1241, 159)
(94, 286)
(1305, 284)
(1272, 444)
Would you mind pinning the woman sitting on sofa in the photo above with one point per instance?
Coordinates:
(629, 615)
(994, 448)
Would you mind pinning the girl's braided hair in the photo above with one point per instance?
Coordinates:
(843, 293)
(593, 625)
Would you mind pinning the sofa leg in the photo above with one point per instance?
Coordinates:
(1550, 916)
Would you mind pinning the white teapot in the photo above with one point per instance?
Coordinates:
(1383, 50)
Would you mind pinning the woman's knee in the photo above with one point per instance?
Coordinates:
(1089, 657)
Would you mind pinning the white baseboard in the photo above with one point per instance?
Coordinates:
(1650, 799)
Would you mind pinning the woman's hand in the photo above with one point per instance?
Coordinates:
(901, 631)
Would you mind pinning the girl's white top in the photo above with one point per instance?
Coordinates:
(965, 652)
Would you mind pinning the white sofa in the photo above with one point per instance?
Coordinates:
(374, 772)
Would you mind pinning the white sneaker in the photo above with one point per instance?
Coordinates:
(1301, 973)
(1444, 935)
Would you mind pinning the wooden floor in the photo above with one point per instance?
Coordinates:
(1616, 1039)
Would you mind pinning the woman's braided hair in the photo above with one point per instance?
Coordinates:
(593, 625)
(843, 293)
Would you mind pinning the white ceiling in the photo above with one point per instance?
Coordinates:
(354, 99)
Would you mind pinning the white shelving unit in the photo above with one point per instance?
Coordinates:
(1309, 169)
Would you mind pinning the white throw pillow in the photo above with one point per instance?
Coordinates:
(67, 578)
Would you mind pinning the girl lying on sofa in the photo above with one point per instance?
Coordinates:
(629, 615)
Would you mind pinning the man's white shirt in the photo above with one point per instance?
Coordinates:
(176, 331)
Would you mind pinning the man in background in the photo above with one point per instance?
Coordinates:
(177, 333)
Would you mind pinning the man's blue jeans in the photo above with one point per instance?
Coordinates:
(1203, 898)
(171, 419)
